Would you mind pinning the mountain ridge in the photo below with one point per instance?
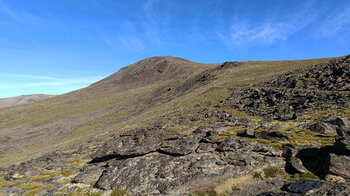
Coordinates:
(23, 99)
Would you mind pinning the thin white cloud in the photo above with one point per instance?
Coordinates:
(22, 16)
(335, 23)
(266, 34)
(151, 23)
(33, 81)
(244, 34)
(27, 76)
(132, 43)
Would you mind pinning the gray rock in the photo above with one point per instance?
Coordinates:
(340, 122)
(343, 131)
(89, 174)
(277, 194)
(135, 143)
(246, 133)
(339, 165)
(334, 189)
(271, 134)
(175, 165)
(179, 146)
(324, 128)
(296, 165)
(304, 187)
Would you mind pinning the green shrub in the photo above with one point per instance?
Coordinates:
(273, 172)
(259, 175)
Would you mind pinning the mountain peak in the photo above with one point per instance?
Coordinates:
(148, 71)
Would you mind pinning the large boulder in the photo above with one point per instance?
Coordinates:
(340, 122)
(339, 165)
(134, 143)
(324, 128)
(304, 187)
(174, 164)
(295, 165)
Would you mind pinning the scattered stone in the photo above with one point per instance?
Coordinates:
(333, 178)
(277, 194)
(295, 165)
(340, 122)
(246, 133)
(303, 187)
(295, 116)
(271, 134)
(324, 128)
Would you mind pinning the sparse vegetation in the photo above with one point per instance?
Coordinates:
(235, 188)
(48, 173)
(273, 172)
(301, 177)
(67, 172)
(259, 175)
(210, 193)
(82, 192)
(4, 183)
(33, 188)
(39, 178)
(119, 193)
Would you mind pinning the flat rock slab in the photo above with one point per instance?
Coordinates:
(304, 187)
(157, 162)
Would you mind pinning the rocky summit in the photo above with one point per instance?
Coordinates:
(169, 126)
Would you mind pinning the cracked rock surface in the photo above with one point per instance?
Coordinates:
(155, 161)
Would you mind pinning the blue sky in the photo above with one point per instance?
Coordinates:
(58, 46)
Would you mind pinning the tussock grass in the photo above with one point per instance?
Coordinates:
(120, 192)
(232, 183)
(67, 172)
(4, 183)
(39, 178)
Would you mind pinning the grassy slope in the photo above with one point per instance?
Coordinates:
(101, 114)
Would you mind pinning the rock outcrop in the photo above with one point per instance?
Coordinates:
(152, 161)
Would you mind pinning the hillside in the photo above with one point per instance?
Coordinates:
(166, 125)
(24, 99)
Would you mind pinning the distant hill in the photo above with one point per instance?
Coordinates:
(12, 101)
